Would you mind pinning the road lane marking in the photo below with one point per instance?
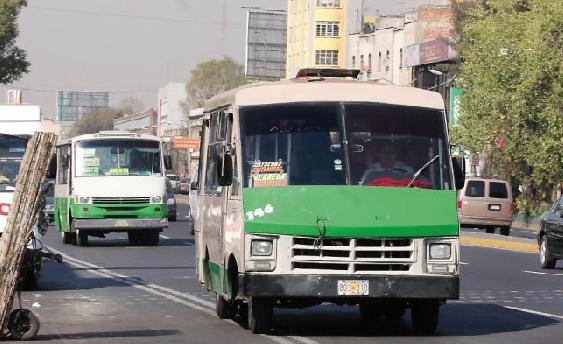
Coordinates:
(206, 306)
(164, 236)
(499, 244)
(540, 273)
(463, 263)
(531, 311)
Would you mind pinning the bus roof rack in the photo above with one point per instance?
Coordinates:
(109, 133)
(328, 73)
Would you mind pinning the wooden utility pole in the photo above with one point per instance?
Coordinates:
(22, 216)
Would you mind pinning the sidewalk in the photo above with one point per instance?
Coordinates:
(499, 241)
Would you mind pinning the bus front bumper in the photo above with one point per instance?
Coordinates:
(326, 286)
(119, 224)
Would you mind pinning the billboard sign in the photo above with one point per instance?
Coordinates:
(181, 142)
(266, 43)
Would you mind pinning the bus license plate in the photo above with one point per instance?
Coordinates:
(353, 288)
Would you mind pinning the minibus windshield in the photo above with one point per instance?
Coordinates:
(117, 157)
(344, 143)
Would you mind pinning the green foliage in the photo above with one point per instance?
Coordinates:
(213, 77)
(101, 119)
(511, 55)
(13, 60)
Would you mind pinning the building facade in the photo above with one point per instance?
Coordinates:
(73, 105)
(265, 44)
(413, 49)
(170, 114)
(316, 34)
(143, 123)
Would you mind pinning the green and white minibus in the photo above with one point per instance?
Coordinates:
(111, 182)
(327, 189)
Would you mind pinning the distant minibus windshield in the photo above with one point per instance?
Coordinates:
(117, 157)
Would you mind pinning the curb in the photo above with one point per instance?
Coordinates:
(499, 244)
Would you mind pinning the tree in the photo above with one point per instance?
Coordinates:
(213, 77)
(131, 105)
(511, 54)
(13, 60)
(97, 120)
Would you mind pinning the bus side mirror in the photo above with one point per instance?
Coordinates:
(52, 171)
(167, 162)
(459, 172)
(225, 169)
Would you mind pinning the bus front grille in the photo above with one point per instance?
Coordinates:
(352, 255)
(120, 200)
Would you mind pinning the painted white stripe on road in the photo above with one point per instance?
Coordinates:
(463, 263)
(164, 236)
(207, 306)
(541, 273)
(531, 311)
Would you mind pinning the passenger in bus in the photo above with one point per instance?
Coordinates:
(387, 163)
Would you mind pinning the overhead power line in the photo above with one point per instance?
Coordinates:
(138, 17)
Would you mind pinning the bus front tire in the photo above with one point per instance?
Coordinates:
(424, 316)
(68, 237)
(225, 309)
(81, 238)
(150, 238)
(260, 315)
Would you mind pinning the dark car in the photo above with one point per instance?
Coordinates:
(184, 186)
(550, 236)
(170, 201)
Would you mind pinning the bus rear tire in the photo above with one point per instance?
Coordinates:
(225, 309)
(424, 316)
(81, 238)
(260, 315)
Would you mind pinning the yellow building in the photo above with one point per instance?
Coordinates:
(316, 34)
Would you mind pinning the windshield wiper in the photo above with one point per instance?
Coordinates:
(420, 170)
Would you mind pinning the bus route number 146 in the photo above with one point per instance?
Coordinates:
(259, 212)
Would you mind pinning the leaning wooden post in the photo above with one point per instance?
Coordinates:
(22, 216)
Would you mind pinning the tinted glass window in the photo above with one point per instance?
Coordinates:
(292, 145)
(475, 188)
(498, 190)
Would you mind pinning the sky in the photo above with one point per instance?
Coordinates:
(132, 47)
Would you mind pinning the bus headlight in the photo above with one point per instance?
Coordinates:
(83, 200)
(157, 199)
(440, 251)
(261, 248)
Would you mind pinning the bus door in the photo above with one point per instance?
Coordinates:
(62, 188)
(214, 199)
(197, 199)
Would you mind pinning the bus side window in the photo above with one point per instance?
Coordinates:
(211, 182)
(236, 182)
(63, 166)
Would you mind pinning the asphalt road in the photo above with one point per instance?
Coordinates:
(110, 292)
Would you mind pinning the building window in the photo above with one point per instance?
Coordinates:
(369, 62)
(353, 61)
(387, 61)
(330, 29)
(328, 3)
(401, 58)
(326, 57)
(379, 62)
(362, 64)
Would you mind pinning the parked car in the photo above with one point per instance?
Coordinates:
(184, 186)
(170, 201)
(175, 180)
(550, 236)
(486, 203)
